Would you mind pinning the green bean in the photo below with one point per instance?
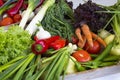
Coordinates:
(78, 65)
(105, 52)
(112, 58)
(94, 55)
(107, 64)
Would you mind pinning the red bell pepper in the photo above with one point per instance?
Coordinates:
(15, 9)
(1, 3)
(49, 40)
(52, 39)
(39, 47)
(60, 43)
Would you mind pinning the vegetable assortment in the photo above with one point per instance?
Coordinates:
(56, 40)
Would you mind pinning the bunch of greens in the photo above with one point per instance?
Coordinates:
(58, 20)
(114, 10)
(15, 69)
(31, 67)
(13, 42)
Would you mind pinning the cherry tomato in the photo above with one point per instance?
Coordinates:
(95, 49)
(17, 18)
(6, 21)
(81, 56)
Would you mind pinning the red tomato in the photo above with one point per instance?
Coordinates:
(17, 18)
(95, 49)
(81, 56)
(6, 21)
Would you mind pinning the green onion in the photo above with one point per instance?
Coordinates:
(12, 69)
(21, 70)
(5, 66)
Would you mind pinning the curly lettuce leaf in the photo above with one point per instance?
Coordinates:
(13, 42)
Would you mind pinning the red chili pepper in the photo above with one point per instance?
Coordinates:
(1, 3)
(52, 39)
(39, 47)
(60, 43)
(15, 9)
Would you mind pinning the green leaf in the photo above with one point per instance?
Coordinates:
(21, 70)
(12, 69)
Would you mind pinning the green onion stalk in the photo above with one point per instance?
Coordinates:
(53, 67)
(116, 27)
(115, 23)
(16, 70)
(114, 10)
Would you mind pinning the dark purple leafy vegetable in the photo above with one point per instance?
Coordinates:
(87, 13)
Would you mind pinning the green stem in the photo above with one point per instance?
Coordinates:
(5, 66)
(54, 63)
(49, 59)
(107, 64)
(21, 70)
(12, 69)
(53, 71)
(105, 52)
(112, 58)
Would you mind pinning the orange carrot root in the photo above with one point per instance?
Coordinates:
(78, 34)
(99, 39)
(82, 44)
(87, 33)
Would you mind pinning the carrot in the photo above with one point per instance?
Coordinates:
(99, 39)
(82, 44)
(78, 34)
(87, 33)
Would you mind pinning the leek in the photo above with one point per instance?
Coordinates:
(32, 27)
(32, 4)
